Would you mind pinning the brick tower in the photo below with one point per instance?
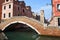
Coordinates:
(55, 21)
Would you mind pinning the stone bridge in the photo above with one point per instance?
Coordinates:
(32, 23)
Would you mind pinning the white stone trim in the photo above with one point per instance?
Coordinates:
(23, 23)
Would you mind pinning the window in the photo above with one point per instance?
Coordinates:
(58, 21)
(4, 7)
(9, 6)
(9, 14)
(4, 15)
(58, 7)
(7, 0)
(18, 8)
(23, 10)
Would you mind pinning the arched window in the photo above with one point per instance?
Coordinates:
(4, 15)
(58, 7)
(9, 6)
(23, 10)
(18, 8)
(4, 7)
(9, 14)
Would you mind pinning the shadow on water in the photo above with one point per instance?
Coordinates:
(21, 34)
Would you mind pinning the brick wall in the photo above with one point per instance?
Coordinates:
(1, 1)
(20, 9)
(28, 11)
(54, 5)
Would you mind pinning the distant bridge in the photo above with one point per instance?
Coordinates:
(32, 23)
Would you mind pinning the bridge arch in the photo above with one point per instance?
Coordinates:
(22, 23)
(32, 23)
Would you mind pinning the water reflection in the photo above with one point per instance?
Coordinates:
(3, 36)
(25, 36)
(40, 37)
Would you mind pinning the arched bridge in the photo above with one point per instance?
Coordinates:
(34, 24)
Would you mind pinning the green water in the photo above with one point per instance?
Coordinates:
(25, 34)
(20, 36)
(28, 36)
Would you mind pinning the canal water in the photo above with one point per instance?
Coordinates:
(28, 36)
(24, 34)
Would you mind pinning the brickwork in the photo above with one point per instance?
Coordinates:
(21, 9)
(36, 25)
(18, 8)
(56, 13)
(1, 1)
(55, 3)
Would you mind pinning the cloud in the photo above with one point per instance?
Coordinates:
(46, 7)
(47, 11)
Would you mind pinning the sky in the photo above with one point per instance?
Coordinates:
(38, 5)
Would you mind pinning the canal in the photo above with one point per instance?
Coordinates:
(26, 35)
(23, 33)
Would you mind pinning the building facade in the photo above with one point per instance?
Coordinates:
(12, 8)
(55, 20)
(1, 1)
